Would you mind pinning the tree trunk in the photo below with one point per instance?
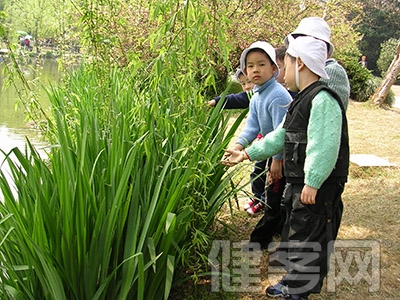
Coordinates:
(394, 69)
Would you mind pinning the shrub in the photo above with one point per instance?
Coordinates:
(127, 195)
(359, 78)
(373, 85)
(388, 50)
(362, 83)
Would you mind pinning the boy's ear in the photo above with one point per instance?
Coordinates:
(300, 63)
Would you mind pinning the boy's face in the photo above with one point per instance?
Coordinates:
(290, 70)
(259, 67)
(281, 66)
(246, 84)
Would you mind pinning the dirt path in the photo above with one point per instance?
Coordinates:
(396, 90)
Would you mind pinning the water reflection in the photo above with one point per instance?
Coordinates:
(16, 137)
(14, 128)
(12, 113)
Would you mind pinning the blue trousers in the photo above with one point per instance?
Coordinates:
(258, 183)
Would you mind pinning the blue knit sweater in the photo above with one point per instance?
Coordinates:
(268, 105)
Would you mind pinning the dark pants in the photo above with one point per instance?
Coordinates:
(312, 227)
(258, 183)
(271, 223)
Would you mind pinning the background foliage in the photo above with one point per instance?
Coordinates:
(388, 51)
(127, 26)
(379, 23)
(358, 27)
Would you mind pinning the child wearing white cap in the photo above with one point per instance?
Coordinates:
(263, 232)
(314, 139)
(257, 176)
(338, 80)
(268, 104)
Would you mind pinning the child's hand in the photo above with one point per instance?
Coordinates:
(232, 157)
(276, 169)
(270, 180)
(212, 103)
(308, 195)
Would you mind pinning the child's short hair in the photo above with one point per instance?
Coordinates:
(280, 53)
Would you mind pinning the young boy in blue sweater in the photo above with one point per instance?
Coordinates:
(314, 138)
(258, 177)
(269, 102)
(256, 205)
(271, 223)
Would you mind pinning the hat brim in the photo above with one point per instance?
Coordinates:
(294, 35)
(246, 51)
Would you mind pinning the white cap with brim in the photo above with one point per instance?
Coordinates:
(312, 52)
(238, 73)
(316, 27)
(267, 48)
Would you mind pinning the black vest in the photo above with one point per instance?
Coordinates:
(296, 124)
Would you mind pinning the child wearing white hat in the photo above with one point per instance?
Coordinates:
(268, 104)
(255, 206)
(338, 80)
(314, 139)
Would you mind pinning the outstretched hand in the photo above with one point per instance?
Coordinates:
(232, 157)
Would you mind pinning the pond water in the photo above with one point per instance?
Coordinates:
(14, 128)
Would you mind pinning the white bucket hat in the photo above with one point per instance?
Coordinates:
(267, 48)
(316, 27)
(238, 73)
(312, 52)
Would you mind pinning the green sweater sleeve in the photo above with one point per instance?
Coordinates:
(269, 145)
(324, 133)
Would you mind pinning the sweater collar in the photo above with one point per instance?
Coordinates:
(259, 89)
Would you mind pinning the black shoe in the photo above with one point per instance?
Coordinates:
(294, 297)
(276, 290)
(281, 290)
